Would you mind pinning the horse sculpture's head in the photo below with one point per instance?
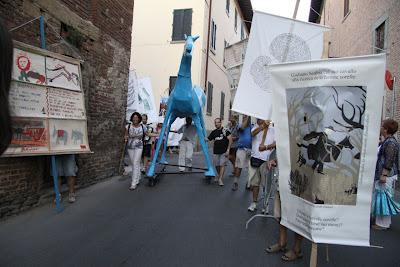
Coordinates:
(189, 44)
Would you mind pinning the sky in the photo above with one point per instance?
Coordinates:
(283, 8)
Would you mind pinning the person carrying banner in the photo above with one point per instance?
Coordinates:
(243, 149)
(386, 172)
(280, 246)
(222, 143)
(66, 167)
(262, 145)
(233, 127)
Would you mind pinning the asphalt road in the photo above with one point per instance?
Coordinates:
(181, 222)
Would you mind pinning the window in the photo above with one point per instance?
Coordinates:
(241, 31)
(213, 36)
(71, 35)
(222, 110)
(209, 98)
(346, 7)
(380, 38)
(226, 44)
(228, 2)
(236, 19)
(182, 24)
(172, 81)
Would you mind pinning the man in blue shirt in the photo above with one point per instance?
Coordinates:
(243, 149)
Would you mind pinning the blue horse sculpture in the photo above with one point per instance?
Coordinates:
(184, 101)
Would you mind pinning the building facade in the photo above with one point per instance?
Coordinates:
(99, 33)
(363, 27)
(158, 41)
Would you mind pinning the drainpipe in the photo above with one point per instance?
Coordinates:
(208, 46)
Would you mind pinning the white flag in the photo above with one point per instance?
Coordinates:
(272, 40)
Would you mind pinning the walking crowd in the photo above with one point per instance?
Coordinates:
(254, 146)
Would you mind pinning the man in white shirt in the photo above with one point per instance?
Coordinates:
(186, 144)
(263, 143)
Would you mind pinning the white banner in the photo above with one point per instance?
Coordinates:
(328, 122)
(140, 98)
(273, 39)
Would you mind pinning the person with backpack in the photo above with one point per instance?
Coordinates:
(135, 134)
(222, 144)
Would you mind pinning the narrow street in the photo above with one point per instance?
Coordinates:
(181, 222)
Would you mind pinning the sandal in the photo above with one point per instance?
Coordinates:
(276, 248)
(291, 255)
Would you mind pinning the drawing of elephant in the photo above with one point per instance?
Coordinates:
(60, 135)
(77, 136)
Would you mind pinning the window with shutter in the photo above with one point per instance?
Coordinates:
(380, 38)
(182, 24)
(346, 7)
(236, 20)
(222, 109)
(209, 98)
(213, 36)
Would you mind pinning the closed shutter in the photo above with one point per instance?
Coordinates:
(187, 22)
(209, 98)
(222, 110)
(182, 24)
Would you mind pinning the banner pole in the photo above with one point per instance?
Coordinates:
(313, 257)
(53, 158)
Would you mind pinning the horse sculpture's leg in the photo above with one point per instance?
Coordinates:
(200, 132)
(171, 120)
(151, 170)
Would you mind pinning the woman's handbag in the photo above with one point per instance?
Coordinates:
(256, 162)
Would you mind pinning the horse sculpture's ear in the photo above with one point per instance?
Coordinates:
(195, 38)
(185, 36)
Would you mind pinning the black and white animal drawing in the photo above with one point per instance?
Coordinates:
(77, 137)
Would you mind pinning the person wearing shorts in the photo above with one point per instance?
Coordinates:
(222, 143)
(280, 246)
(66, 167)
(263, 142)
(243, 150)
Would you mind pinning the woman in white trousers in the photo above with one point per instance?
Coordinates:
(134, 136)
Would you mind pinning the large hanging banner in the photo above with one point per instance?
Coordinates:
(329, 122)
(47, 104)
(273, 39)
(140, 98)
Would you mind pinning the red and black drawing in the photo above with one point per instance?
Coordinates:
(24, 65)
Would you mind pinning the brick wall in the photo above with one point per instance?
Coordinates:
(104, 30)
(353, 35)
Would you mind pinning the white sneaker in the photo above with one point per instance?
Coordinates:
(133, 187)
(252, 207)
(71, 198)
